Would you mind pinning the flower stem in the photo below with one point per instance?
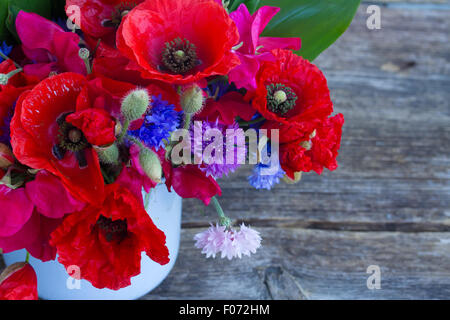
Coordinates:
(136, 141)
(5, 57)
(187, 121)
(248, 123)
(27, 258)
(223, 219)
(126, 125)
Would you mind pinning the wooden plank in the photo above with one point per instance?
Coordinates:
(315, 264)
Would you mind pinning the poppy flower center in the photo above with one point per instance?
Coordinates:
(280, 98)
(70, 139)
(179, 56)
(119, 13)
(114, 230)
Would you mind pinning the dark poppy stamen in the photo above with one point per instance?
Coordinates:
(81, 158)
(179, 56)
(280, 98)
(119, 13)
(70, 139)
(58, 152)
(113, 229)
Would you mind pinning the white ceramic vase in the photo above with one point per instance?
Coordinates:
(54, 282)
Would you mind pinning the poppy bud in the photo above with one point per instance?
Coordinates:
(306, 145)
(108, 155)
(297, 178)
(6, 157)
(150, 164)
(84, 53)
(192, 100)
(18, 282)
(135, 104)
(4, 77)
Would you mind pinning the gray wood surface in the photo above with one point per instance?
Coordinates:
(388, 204)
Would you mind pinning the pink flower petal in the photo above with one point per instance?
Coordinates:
(50, 197)
(280, 43)
(260, 20)
(24, 237)
(36, 32)
(16, 210)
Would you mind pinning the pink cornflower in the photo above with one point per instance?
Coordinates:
(230, 243)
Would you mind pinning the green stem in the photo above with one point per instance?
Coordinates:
(223, 219)
(14, 72)
(125, 127)
(248, 123)
(5, 57)
(136, 141)
(88, 66)
(27, 258)
(5, 77)
(187, 121)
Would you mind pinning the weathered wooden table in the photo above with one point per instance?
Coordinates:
(387, 205)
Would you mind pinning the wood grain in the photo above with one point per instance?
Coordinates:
(388, 204)
(297, 263)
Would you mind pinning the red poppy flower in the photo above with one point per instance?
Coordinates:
(42, 138)
(290, 132)
(291, 90)
(106, 241)
(103, 93)
(18, 282)
(226, 109)
(99, 18)
(319, 150)
(179, 41)
(97, 125)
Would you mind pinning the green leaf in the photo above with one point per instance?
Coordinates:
(41, 7)
(3, 16)
(319, 23)
(251, 5)
(58, 9)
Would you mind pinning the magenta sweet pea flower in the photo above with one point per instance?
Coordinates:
(254, 48)
(48, 46)
(28, 215)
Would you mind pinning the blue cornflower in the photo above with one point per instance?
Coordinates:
(159, 122)
(265, 177)
(219, 87)
(5, 49)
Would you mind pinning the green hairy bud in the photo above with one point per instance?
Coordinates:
(150, 164)
(135, 104)
(108, 155)
(192, 100)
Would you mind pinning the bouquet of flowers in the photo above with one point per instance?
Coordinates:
(101, 99)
